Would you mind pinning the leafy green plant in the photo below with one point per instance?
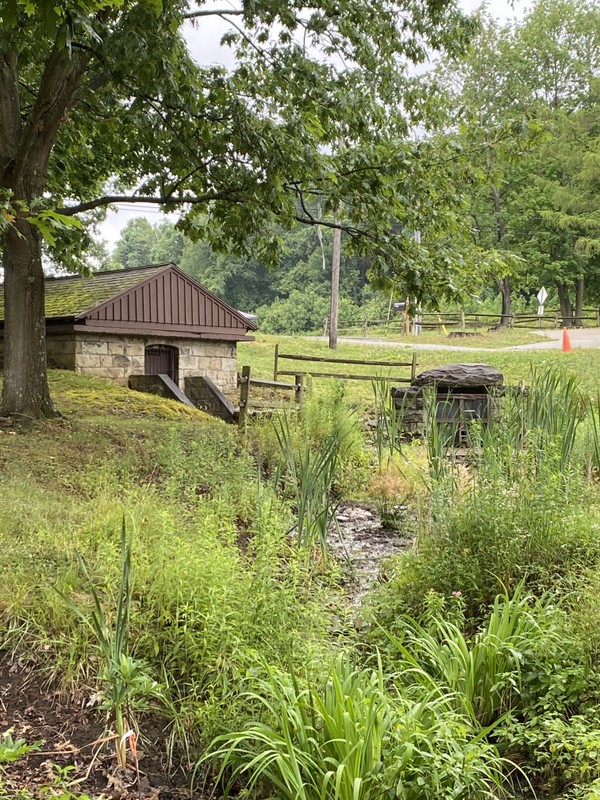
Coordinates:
(483, 674)
(126, 684)
(349, 739)
(12, 749)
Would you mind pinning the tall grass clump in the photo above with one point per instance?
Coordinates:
(534, 428)
(481, 673)
(310, 474)
(330, 412)
(388, 422)
(126, 685)
(594, 424)
(350, 738)
(440, 439)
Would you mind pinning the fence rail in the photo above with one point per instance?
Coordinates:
(432, 320)
(248, 401)
(277, 371)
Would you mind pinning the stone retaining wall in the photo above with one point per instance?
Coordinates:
(117, 357)
(60, 352)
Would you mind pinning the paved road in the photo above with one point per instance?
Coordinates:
(552, 340)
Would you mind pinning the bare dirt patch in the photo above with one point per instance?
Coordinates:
(71, 754)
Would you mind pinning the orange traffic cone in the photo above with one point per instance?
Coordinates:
(566, 342)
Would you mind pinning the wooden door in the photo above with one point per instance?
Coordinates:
(162, 360)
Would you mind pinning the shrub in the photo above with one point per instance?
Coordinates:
(482, 673)
(542, 531)
(304, 311)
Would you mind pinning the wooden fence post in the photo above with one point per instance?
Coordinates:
(413, 369)
(299, 390)
(276, 362)
(244, 395)
(462, 321)
(364, 330)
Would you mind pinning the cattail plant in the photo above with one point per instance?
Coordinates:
(311, 474)
(125, 682)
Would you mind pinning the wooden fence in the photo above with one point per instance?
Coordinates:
(248, 401)
(554, 319)
(277, 371)
(459, 321)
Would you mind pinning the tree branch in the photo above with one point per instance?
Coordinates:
(216, 13)
(10, 109)
(349, 229)
(112, 199)
(60, 80)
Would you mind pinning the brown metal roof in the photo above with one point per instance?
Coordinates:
(158, 299)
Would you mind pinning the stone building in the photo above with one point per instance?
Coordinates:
(145, 321)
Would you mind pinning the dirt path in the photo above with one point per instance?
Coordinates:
(552, 340)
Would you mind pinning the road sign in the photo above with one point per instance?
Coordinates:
(542, 295)
(540, 311)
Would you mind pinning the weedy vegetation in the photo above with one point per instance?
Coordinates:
(218, 613)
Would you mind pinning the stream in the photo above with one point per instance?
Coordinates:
(362, 542)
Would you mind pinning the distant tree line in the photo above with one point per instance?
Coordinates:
(293, 298)
(528, 100)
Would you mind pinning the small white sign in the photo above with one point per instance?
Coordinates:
(540, 311)
(542, 295)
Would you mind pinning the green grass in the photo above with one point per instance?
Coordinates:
(483, 337)
(516, 366)
(213, 577)
(242, 630)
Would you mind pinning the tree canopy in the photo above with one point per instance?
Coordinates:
(101, 102)
(530, 89)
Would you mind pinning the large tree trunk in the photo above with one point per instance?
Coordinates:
(25, 390)
(579, 294)
(566, 309)
(26, 143)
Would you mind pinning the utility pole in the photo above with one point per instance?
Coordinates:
(335, 286)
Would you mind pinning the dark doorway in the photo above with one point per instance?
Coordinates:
(162, 360)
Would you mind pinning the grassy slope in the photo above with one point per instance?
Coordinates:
(187, 492)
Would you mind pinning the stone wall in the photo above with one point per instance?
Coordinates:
(205, 395)
(60, 351)
(116, 357)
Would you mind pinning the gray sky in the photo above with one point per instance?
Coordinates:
(204, 43)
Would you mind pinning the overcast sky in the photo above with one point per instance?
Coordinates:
(204, 43)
